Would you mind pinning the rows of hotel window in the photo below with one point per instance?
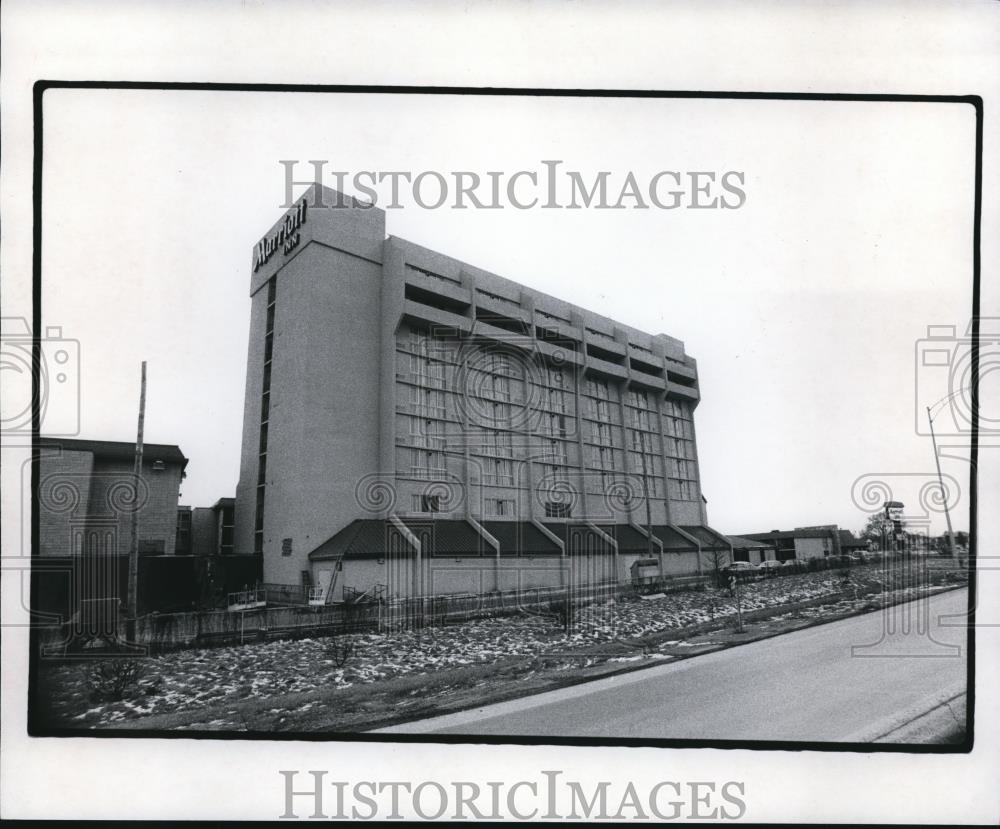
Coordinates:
(489, 382)
(495, 451)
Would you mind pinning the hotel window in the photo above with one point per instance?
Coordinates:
(639, 419)
(602, 457)
(601, 433)
(599, 409)
(498, 472)
(556, 399)
(490, 377)
(426, 432)
(498, 414)
(552, 474)
(638, 399)
(683, 490)
(499, 507)
(427, 463)
(554, 509)
(554, 424)
(498, 444)
(426, 503)
(598, 388)
(557, 449)
(427, 401)
(500, 376)
(426, 371)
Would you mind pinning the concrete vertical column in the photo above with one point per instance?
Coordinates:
(391, 295)
(697, 466)
(469, 283)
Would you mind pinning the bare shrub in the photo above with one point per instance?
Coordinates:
(340, 650)
(111, 680)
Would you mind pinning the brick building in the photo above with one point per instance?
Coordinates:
(415, 423)
(207, 531)
(85, 497)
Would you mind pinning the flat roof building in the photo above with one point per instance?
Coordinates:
(86, 497)
(804, 543)
(404, 406)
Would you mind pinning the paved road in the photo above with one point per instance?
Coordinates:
(848, 681)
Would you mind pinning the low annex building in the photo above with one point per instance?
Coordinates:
(804, 543)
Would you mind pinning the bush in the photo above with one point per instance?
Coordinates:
(340, 650)
(111, 680)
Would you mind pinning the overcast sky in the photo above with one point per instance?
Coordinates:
(805, 308)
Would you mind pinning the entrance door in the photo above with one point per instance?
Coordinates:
(324, 580)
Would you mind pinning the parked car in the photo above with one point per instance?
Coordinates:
(770, 567)
(743, 570)
(793, 564)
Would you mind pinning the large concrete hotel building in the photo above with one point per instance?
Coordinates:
(415, 425)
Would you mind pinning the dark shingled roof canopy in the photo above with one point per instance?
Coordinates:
(377, 538)
(709, 538)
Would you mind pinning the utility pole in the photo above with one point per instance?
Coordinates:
(944, 494)
(133, 552)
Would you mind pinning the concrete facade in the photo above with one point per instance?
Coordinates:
(387, 380)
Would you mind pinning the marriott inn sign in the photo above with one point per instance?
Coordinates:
(286, 236)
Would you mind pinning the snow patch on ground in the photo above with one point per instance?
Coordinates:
(261, 670)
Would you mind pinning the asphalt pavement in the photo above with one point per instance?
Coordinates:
(855, 680)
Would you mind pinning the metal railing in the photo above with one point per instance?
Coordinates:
(286, 593)
(241, 598)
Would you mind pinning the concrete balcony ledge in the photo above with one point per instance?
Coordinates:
(685, 392)
(683, 371)
(567, 356)
(648, 381)
(426, 313)
(502, 307)
(438, 285)
(563, 329)
(610, 369)
(501, 335)
(611, 346)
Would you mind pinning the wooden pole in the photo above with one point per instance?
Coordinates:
(133, 553)
(944, 492)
